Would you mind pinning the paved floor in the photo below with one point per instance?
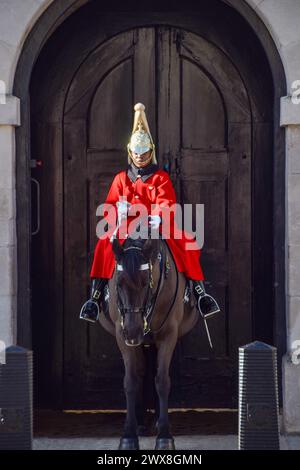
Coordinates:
(228, 442)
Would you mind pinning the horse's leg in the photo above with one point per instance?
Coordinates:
(163, 384)
(140, 397)
(131, 357)
(140, 411)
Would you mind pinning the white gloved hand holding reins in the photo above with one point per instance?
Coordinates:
(154, 221)
(123, 207)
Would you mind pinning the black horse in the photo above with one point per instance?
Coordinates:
(146, 295)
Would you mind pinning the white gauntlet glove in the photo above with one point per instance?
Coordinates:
(123, 207)
(154, 221)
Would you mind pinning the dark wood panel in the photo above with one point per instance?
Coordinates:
(203, 115)
(110, 113)
(240, 235)
(262, 231)
(168, 102)
(99, 63)
(222, 73)
(144, 79)
(47, 264)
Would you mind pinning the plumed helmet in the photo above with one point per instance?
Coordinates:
(141, 140)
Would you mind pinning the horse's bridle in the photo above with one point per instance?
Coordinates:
(150, 300)
(137, 310)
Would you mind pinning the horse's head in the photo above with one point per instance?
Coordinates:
(134, 284)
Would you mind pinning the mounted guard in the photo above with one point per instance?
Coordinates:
(144, 183)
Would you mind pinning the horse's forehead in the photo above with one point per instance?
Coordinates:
(139, 242)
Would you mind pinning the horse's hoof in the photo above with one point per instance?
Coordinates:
(165, 443)
(129, 443)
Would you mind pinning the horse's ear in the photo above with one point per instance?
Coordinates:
(117, 248)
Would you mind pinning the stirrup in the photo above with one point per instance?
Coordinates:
(83, 316)
(215, 306)
(214, 309)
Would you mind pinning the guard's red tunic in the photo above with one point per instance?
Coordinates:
(156, 190)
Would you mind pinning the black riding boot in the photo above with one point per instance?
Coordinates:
(206, 304)
(91, 309)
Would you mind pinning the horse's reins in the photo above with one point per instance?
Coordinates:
(158, 290)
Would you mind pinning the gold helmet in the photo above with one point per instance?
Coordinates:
(141, 140)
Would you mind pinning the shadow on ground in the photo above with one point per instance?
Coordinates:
(50, 423)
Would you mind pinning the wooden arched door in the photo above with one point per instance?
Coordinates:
(199, 115)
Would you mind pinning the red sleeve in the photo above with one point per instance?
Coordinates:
(165, 194)
(114, 192)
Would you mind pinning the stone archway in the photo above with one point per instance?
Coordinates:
(23, 203)
(57, 215)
